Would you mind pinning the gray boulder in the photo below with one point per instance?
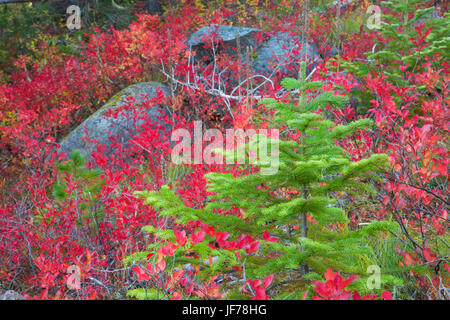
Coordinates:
(278, 48)
(227, 34)
(154, 7)
(101, 127)
(11, 295)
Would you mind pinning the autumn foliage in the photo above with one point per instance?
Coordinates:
(62, 217)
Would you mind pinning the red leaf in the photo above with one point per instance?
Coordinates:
(329, 275)
(208, 229)
(386, 295)
(176, 296)
(428, 255)
(181, 237)
(253, 247)
(141, 274)
(268, 281)
(408, 258)
(267, 237)
(197, 237)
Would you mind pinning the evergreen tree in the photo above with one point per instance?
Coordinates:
(85, 185)
(297, 204)
(412, 35)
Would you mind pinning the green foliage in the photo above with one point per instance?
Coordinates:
(313, 171)
(23, 25)
(396, 55)
(399, 29)
(147, 294)
(107, 13)
(88, 185)
(77, 168)
(20, 23)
